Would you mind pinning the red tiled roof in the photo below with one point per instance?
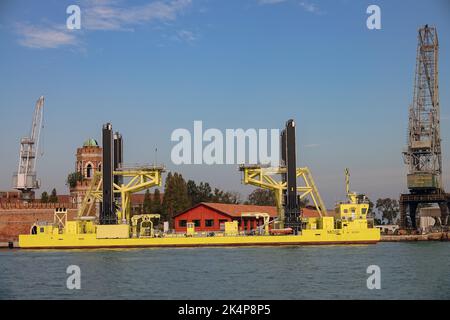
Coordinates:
(235, 210)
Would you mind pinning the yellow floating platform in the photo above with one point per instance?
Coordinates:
(308, 237)
(350, 227)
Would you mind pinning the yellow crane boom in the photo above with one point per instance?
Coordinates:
(269, 178)
(138, 180)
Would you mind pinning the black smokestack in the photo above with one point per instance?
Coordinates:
(289, 159)
(108, 212)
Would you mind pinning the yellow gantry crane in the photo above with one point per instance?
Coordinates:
(137, 180)
(270, 178)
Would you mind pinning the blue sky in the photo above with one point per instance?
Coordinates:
(150, 67)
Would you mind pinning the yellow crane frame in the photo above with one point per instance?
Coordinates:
(265, 178)
(138, 180)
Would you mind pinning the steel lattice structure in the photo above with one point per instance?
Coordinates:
(25, 179)
(423, 155)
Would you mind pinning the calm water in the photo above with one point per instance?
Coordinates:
(408, 271)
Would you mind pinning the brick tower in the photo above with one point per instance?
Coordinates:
(88, 162)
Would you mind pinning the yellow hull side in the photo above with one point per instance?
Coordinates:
(308, 237)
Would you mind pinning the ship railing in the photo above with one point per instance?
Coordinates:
(206, 234)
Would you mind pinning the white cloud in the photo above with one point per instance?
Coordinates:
(309, 7)
(305, 5)
(33, 36)
(270, 1)
(110, 15)
(186, 35)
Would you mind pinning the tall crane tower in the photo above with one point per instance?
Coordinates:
(423, 154)
(25, 179)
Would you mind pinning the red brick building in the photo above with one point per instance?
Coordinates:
(212, 216)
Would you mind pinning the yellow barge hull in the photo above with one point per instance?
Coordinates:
(91, 241)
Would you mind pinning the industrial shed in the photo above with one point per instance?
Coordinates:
(211, 216)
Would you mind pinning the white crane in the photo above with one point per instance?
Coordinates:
(25, 179)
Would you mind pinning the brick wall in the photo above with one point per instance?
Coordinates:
(19, 221)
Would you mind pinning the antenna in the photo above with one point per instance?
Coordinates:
(347, 181)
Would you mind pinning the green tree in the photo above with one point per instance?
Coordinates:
(204, 192)
(220, 196)
(371, 214)
(53, 197)
(183, 201)
(44, 197)
(199, 193)
(231, 197)
(148, 204)
(176, 198)
(193, 192)
(217, 195)
(261, 197)
(388, 209)
(73, 178)
(157, 208)
(377, 221)
(167, 205)
(371, 205)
